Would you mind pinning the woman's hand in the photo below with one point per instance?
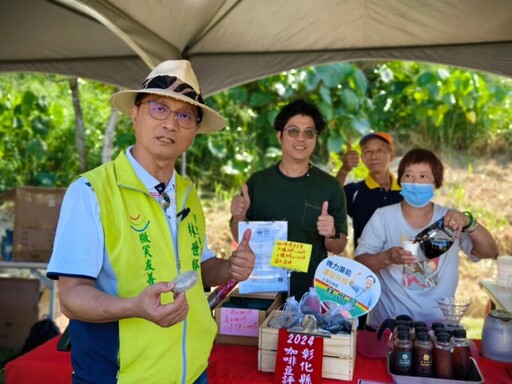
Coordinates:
(456, 221)
(398, 255)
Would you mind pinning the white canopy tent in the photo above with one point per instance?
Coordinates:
(231, 42)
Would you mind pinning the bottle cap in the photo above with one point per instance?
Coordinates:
(437, 325)
(443, 337)
(403, 335)
(422, 336)
(459, 333)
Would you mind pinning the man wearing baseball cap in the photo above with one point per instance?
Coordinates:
(380, 187)
(130, 250)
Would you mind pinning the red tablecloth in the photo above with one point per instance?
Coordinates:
(229, 364)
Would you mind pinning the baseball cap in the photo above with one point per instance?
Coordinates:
(379, 135)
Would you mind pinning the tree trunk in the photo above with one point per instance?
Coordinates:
(108, 138)
(79, 121)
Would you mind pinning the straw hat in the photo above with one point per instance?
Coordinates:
(176, 79)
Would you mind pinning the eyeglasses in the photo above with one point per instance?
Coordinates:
(161, 111)
(294, 132)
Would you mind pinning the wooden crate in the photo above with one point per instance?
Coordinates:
(338, 358)
(277, 298)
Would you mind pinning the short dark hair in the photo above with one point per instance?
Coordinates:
(370, 277)
(421, 155)
(299, 107)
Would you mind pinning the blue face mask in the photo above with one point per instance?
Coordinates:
(417, 195)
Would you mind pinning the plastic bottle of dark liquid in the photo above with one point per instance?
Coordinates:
(443, 356)
(402, 354)
(394, 335)
(423, 355)
(461, 353)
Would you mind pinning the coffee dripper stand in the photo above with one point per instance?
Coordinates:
(454, 309)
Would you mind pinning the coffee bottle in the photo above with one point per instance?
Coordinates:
(423, 355)
(461, 353)
(443, 356)
(402, 354)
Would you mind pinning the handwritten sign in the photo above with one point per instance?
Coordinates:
(239, 322)
(291, 255)
(347, 283)
(299, 358)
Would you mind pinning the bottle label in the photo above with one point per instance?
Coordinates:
(403, 359)
(426, 360)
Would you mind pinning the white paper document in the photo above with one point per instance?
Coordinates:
(264, 278)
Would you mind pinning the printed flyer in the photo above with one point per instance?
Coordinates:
(347, 283)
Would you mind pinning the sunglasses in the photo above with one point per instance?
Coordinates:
(294, 132)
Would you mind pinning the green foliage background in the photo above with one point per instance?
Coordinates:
(433, 106)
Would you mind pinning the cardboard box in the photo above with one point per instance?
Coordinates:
(18, 311)
(36, 212)
(339, 355)
(241, 325)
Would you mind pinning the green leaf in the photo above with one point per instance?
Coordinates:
(334, 144)
(349, 99)
(426, 78)
(36, 148)
(217, 148)
(331, 74)
(259, 99)
(325, 93)
(359, 82)
(421, 113)
(467, 102)
(46, 179)
(39, 125)
(471, 116)
(362, 126)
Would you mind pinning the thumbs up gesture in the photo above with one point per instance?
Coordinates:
(240, 204)
(241, 262)
(350, 158)
(325, 222)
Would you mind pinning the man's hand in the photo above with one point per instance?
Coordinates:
(240, 204)
(325, 222)
(164, 315)
(350, 158)
(241, 262)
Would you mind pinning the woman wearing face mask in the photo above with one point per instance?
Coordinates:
(411, 283)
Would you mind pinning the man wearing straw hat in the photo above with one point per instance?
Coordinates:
(126, 230)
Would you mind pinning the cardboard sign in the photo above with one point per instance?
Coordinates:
(291, 255)
(299, 358)
(347, 283)
(239, 322)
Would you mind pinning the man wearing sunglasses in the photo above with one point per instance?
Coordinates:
(130, 250)
(293, 190)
